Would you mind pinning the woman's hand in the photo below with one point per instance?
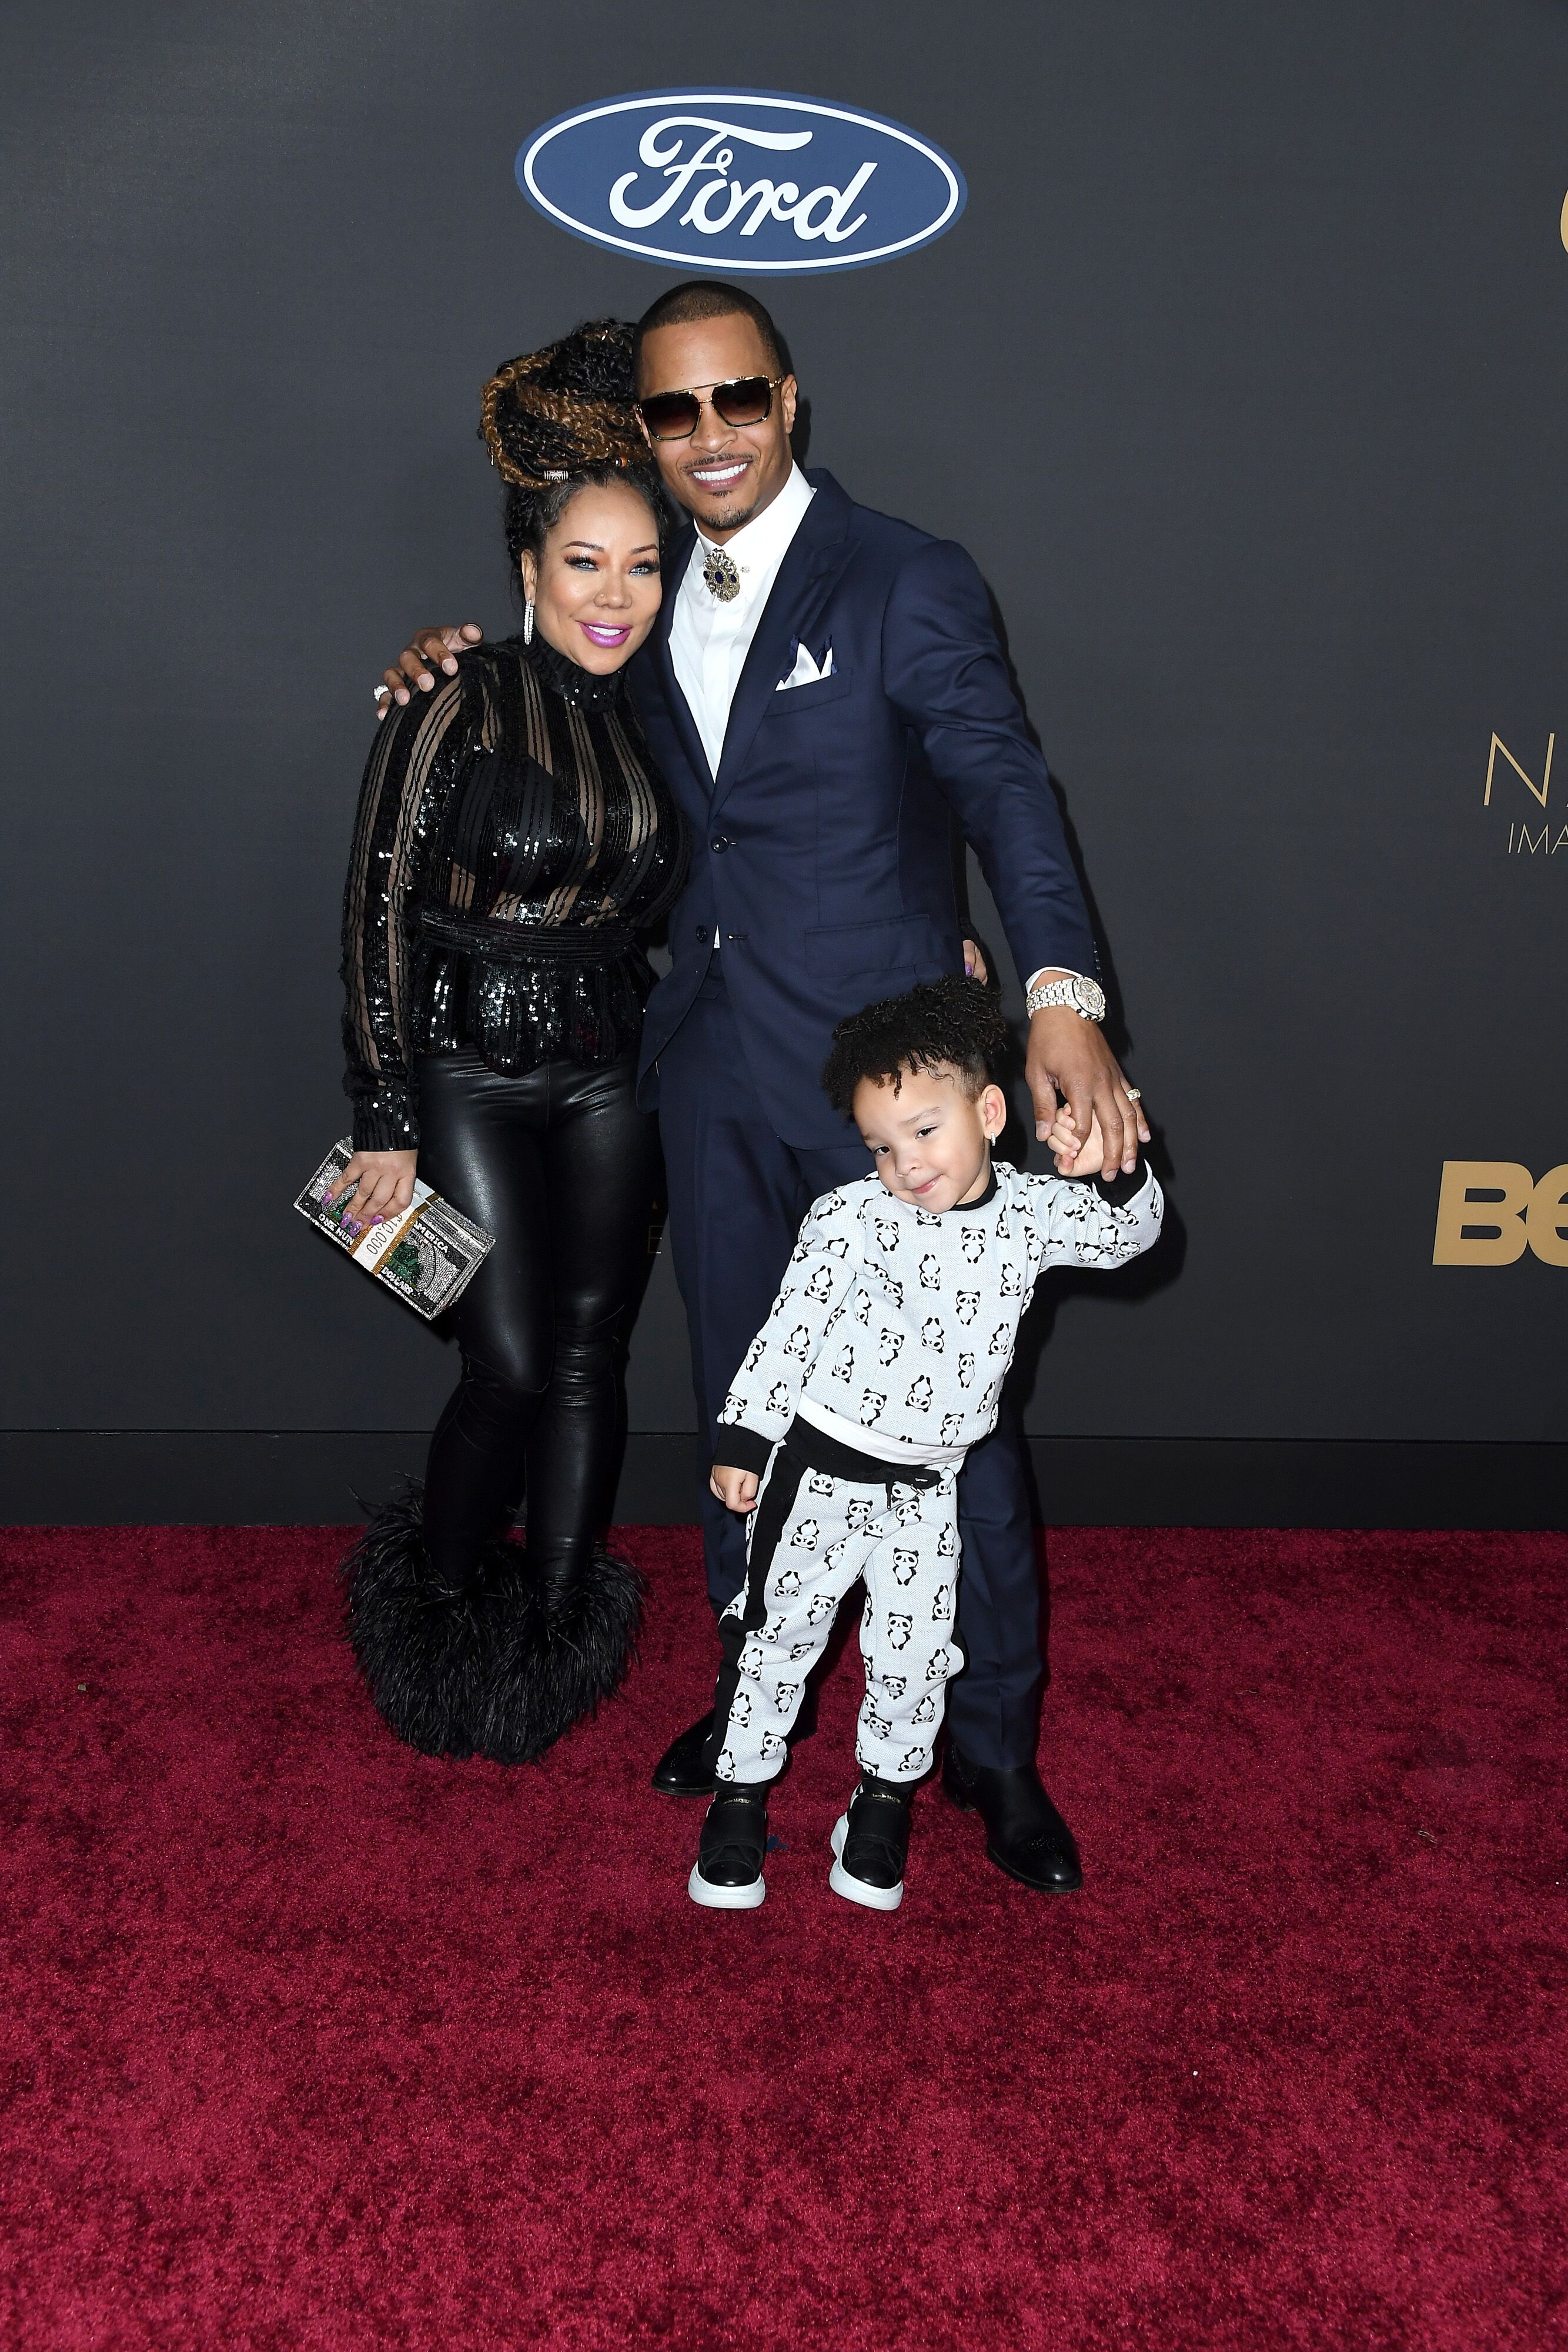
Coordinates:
(385, 1180)
(421, 662)
(974, 962)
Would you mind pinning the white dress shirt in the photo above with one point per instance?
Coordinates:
(709, 640)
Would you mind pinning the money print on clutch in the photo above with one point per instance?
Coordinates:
(427, 1257)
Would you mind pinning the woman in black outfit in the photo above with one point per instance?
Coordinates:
(513, 838)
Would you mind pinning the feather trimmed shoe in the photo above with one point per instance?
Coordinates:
(422, 1647)
(503, 1666)
(563, 1642)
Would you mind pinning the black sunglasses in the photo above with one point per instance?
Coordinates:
(745, 400)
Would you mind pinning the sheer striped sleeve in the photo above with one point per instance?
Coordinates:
(419, 754)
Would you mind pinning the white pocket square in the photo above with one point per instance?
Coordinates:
(806, 671)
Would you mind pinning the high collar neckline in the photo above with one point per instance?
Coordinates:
(584, 690)
(981, 1200)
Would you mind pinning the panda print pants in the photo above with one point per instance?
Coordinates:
(813, 1532)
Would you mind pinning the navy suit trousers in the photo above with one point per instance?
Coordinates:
(737, 1195)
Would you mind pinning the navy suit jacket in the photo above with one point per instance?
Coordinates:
(822, 851)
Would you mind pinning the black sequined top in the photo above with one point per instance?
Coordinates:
(512, 837)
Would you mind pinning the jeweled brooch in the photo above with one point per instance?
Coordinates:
(720, 576)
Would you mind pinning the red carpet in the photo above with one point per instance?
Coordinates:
(311, 2042)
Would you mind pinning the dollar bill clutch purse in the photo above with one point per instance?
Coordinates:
(427, 1257)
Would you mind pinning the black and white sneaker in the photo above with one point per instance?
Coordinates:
(869, 1843)
(728, 1872)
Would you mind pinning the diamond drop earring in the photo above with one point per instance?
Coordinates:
(528, 622)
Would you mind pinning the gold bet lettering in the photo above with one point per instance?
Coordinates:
(1489, 1211)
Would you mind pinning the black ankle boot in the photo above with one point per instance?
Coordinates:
(686, 1768)
(1024, 1835)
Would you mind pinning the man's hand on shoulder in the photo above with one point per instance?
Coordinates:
(428, 653)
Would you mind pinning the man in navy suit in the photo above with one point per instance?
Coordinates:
(825, 693)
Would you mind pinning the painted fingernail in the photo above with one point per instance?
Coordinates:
(377, 1218)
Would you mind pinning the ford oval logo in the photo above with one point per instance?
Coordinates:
(740, 180)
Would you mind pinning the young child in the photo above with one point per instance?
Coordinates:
(880, 1365)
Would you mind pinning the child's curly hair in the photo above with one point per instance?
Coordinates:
(949, 1024)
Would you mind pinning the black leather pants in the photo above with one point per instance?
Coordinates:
(562, 1168)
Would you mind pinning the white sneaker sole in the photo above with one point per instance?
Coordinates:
(726, 1898)
(855, 1890)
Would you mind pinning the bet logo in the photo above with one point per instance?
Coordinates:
(1489, 1211)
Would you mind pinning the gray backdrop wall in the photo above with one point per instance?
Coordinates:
(1242, 376)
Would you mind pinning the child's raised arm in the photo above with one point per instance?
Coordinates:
(1097, 1222)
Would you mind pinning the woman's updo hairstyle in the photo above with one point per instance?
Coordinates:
(560, 419)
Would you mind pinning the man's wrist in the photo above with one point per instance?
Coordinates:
(1071, 994)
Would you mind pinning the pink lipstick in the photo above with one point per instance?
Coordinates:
(600, 635)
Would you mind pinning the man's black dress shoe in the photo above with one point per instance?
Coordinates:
(1024, 1835)
(686, 1768)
